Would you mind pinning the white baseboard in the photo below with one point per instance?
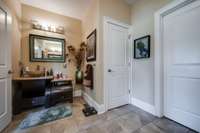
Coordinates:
(77, 93)
(144, 106)
(100, 108)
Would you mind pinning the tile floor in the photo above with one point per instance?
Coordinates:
(126, 119)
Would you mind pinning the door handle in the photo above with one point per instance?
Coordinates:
(109, 70)
(10, 72)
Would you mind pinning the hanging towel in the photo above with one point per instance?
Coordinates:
(88, 79)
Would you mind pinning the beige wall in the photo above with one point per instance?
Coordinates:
(15, 9)
(73, 35)
(90, 20)
(143, 70)
(116, 9)
(90, 23)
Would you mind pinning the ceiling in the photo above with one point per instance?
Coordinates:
(71, 8)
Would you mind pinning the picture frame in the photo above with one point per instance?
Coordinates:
(46, 49)
(142, 47)
(91, 47)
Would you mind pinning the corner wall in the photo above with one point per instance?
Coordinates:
(72, 36)
(90, 23)
(116, 9)
(143, 70)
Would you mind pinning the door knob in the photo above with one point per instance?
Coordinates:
(109, 70)
(10, 72)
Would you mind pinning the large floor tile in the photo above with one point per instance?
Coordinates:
(112, 126)
(150, 128)
(64, 126)
(145, 117)
(125, 119)
(96, 129)
(169, 126)
(130, 122)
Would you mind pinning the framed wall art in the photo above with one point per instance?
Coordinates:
(91, 47)
(142, 47)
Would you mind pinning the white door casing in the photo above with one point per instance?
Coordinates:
(5, 66)
(116, 60)
(178, 43)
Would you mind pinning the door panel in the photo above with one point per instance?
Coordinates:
(182, 65)
(2, 38)
(5, 65)
(190, 91)
(3, 95)
(118, 77)
(118, 90)
(117, 47)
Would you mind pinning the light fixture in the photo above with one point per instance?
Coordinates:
(47, 27)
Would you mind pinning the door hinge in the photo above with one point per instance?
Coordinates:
(129, 37)
(129, 91)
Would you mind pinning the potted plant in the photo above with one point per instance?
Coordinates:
(77, 56)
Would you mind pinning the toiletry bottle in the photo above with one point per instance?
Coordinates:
(51, 72)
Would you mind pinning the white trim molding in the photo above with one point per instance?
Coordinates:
(143, 105)
(99, 107)
(158, 45)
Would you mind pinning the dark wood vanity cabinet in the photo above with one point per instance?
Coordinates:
(33, 92)
(29, 93)
(60, 91)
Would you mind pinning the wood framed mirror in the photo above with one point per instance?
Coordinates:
(46, 49)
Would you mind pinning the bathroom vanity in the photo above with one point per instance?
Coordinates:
(31, 92)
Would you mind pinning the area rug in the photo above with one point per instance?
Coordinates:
(46, 115)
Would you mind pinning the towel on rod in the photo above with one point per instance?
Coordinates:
(88, 79)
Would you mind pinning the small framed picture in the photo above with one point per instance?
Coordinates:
(91, 46)
(142, 47)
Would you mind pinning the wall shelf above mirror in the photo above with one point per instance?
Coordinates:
(46, 49)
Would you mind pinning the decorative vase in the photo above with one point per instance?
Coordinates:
(79, 76)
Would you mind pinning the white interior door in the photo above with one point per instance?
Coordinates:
(5, 64)
(117, 70)
(182, 65)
